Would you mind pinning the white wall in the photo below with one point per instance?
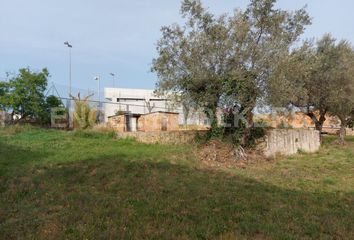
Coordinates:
(128, 103)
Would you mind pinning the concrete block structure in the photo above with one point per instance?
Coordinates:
(291, 141)
(150, 122)
(158, 121)
(140, 102)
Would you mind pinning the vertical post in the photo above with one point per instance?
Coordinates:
(70, 72)
(114, 79)
(70, 91)
(98, 89)
(97, 78)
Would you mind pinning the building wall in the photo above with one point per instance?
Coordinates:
(146, 123)
(128, 103)
(117, 123)
(155, 121)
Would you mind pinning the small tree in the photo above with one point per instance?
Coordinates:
(52, 102)
(23, 94)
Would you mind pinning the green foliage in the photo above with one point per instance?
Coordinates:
(225, 60)
(23, 95)
(316, 78)
(53, 101)
(52, 104)
(257, 133)
(231, 133)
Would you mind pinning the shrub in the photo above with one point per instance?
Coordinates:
(84, 116)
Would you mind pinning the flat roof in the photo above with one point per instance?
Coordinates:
(160, 112)
(138, 114)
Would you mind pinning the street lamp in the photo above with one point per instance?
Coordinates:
(68, 101)
(70, 47)
(97, 78)
(114, 79)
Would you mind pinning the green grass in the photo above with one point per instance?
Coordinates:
(65, 185)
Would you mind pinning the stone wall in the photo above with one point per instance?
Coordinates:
(151, 122)
(291, 141)
(170, 137)
(158, 121)
(286, 142)
(117, 123)
(350, 131)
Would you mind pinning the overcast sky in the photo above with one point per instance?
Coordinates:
(119, 35)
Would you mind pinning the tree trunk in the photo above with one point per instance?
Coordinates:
(211, 113)
(342, 133)
(245, 139)
(318, 122)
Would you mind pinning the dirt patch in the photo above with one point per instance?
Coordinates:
(216, 154)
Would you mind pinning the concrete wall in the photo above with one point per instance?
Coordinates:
(172, 137)
(290, 141)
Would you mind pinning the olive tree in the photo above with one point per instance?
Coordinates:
(341, 96)
(316, 79)
(226, 59)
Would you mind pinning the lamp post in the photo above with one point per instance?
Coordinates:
(69, 101)
(97, 78)
(114, 79)
(70, 47)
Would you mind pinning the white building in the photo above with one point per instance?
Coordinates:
(142, 101)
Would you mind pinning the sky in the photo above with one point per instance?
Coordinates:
(119, 36)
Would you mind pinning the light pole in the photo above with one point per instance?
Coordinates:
(97, 78)
(69, 101)
(70, 47)
(114, 79)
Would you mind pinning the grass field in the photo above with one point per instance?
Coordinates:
(66, 185)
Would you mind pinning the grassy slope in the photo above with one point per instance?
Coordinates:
(66, 185)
